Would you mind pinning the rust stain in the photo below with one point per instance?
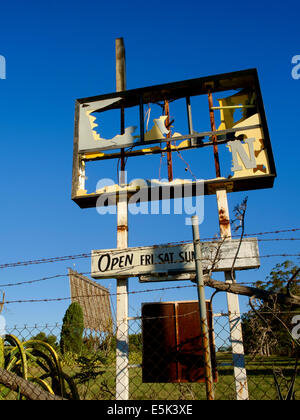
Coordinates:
(122, 228)
(257, 152)
(243, 391)
(224, 223)
(261, 168)
(223, 219)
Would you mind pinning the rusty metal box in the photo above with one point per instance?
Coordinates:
(172, 344)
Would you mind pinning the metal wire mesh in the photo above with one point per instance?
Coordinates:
(93, 371)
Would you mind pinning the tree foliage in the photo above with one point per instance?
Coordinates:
(266, 328)
(72, 330)
(50, 339)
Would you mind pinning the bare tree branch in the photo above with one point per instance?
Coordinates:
(257, 312)
(217, 256)
(240, 213)
(261, 294)
(288, 286)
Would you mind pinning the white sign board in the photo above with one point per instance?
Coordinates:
(174, 259)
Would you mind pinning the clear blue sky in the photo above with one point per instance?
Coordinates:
(58, 51)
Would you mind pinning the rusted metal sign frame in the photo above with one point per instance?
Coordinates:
(185, 89)
(167, 260)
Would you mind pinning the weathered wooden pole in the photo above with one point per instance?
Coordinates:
(203, 312)
(235, 323)
(236, 335)
(122, 352)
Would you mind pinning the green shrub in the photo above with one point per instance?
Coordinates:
(72, 330)
(50, 339)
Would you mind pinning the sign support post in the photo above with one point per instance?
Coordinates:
(236, 335)
(235, 324)
(122, 351)
(202, 309)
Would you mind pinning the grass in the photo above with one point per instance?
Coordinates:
(259, 375)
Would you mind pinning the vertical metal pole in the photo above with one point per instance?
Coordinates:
(122, 352)
(142, 128)
(235, 324)
(203, 311)
(169, 150)
(214, 137)
(192, 141)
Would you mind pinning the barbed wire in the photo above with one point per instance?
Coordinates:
(45, 260)
(139, 318)
(88, 254)
(67, 275)
(21, 283)
(120, 293)
(98, 295)
(278, 239)
(91, 273)
(134, 266)
(273, 231)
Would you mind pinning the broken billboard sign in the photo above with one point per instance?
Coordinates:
(231, 139)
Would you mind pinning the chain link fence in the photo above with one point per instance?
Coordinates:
(175, 374)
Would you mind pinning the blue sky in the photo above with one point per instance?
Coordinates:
(57, 52)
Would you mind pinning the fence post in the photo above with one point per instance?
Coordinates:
(203, 311)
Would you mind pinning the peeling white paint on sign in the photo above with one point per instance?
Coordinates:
(172, 259)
